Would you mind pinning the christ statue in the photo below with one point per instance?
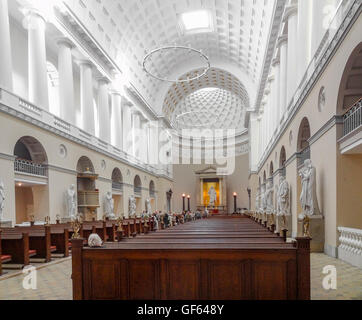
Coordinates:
(212, 195)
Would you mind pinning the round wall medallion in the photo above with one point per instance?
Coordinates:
(322, 99)
(62, 151)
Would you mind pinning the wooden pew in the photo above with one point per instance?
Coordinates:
(60, 239)
(15, 243)
(40, 241)
(3, 258)
(188, 267)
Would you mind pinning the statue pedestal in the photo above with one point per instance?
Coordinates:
(316, 231)
(6, 224)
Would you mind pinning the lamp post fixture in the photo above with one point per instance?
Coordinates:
(188, 203)
(183, 202)
(235, 205)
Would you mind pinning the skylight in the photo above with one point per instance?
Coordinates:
(196, 21)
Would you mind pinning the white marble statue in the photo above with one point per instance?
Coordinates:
(2, 200)
(148, 207)
(206, 212)
(263, 205)
(257, 198)
(109, 206)
(213, 196)
(132, 206)
(71, 202)
(283, 198)
(308, 197)
(269, 197)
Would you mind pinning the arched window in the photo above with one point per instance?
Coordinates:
(137, 185)
(117, 179)
(53, 89)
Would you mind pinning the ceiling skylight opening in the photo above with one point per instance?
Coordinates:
(196, 21)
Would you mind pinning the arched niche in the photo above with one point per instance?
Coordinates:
(117, 192)
(303, 135)
(30, 149)
(117, 179)
(282, 158)
(271, 170)
(85, 165)
(350, 90)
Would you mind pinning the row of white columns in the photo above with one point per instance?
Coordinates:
(119, 123)
(306, 22)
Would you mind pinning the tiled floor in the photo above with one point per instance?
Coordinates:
(54, 282)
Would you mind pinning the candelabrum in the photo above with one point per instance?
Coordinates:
(76, 225)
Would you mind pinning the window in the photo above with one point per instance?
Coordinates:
(53, 89)
(196, 21)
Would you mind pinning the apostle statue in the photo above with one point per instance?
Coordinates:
(109, 206)
(132, 206)
(283, 198)
(148, 207)
(263, 206)
(2, 199)
(269, 197)
(212, 195)
(257, 198)
(71, 202)
(308, 197)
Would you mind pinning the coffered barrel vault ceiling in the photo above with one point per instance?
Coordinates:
(128, 30)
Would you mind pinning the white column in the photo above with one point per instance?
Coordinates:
(291, 17)
(144, 141)
(283, 44)
(86, 96)
(66, 81)
(116, 123)
(6, 66)
(127, 126)
(137, 137)
(103, 110)
(276, 89)
(37, 62)
(153, 152)
(271, 106)
(259, 138)
(304, 36)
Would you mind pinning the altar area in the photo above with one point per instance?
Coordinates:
(211, 191)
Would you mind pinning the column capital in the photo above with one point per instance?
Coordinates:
(276, 61)
(64, 41)
(103, 80)
(114, 93)
(282, 40)
(85, 63)
(30, 13)
(290, 11)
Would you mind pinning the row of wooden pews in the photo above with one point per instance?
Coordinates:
(20, 246)
(221, 258)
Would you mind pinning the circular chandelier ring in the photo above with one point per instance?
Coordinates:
(199, 76)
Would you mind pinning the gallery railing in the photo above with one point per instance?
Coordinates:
(138, 190)
(29, 167)
(352, 120)
(117, 186)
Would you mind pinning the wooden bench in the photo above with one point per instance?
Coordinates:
(15, 243)
(40, 241)
(256, 266)
(3, 258)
